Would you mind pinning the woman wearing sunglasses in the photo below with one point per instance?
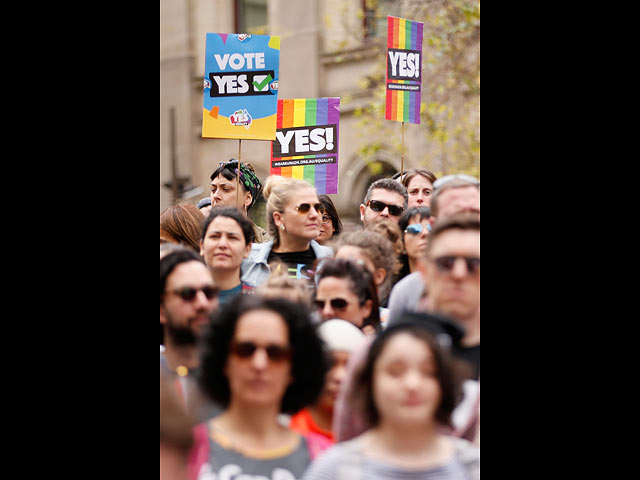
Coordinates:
(347, 290)
(226, 241)
(294, 216)
(263, 358)
(224, 190)
(415, 226)
(407, 390)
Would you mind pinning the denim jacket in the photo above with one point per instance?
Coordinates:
(254, 270)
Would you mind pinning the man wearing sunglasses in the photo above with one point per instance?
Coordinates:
(188, 296)
(451, 273)
(453, 194)
(385, 198)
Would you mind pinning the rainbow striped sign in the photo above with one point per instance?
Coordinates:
(306, 144)
(404, 70)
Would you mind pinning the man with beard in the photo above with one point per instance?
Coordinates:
(188, 296)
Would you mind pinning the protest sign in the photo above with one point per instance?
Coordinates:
(404, 70)
(306, 144)
(240, 86)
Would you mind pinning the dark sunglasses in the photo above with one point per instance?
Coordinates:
(305, 207)
(446, 263)
(416, 228)
(246, 350)
(188, 294)
(378, 206)
(336, 303)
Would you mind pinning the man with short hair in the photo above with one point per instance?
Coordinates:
(453, 194)
(385, 198)
(188, 297)
(452, 273)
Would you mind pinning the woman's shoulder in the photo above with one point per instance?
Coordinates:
(321, 251)
(334, 459)
(468, 454)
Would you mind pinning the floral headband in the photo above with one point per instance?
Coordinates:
(247, 177)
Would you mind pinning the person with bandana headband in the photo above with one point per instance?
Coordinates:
(224, 190)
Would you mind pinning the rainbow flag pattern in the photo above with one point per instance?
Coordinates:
(306, 144)
(404, 45)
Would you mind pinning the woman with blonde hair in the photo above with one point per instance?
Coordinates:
(294, 216)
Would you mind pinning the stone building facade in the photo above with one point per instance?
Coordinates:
(326, 50)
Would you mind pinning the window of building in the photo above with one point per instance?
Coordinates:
(251, 16)
(375, 16)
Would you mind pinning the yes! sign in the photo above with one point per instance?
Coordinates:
(240, 86)
(404, 70)
(306, 144)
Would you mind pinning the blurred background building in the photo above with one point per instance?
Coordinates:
(330, 48)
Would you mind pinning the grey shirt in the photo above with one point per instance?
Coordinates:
(405, 296)
(226, 463)
(345, 461)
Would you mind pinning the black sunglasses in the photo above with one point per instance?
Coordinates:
(246, 350)
(378, 206)
(305, 207)
(336, 303)
(188, 294)
(446, 263)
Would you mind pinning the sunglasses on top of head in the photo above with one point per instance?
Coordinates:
(305, 207)
(378, 206)
(188, 294)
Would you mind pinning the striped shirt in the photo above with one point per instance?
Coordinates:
(345, 461)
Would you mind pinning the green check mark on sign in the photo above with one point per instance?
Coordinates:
(261, 86)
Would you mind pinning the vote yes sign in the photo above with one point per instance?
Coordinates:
(240, 86)
(404, 70)
(306, 144)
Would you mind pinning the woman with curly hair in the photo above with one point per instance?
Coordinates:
(263, 358)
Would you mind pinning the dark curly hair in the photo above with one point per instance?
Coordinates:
(449, 371)
(309, 363)
(361, 283)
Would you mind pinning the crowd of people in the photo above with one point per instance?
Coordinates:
(310, 350)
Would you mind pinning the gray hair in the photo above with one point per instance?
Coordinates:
(388, 184)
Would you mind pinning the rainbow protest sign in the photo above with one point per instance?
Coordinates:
(306, 144)
(404, 69)
(240, 86)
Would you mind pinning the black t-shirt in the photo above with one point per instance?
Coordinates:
(299, 264)
(472, 356)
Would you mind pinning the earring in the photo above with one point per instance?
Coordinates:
(282, 227)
